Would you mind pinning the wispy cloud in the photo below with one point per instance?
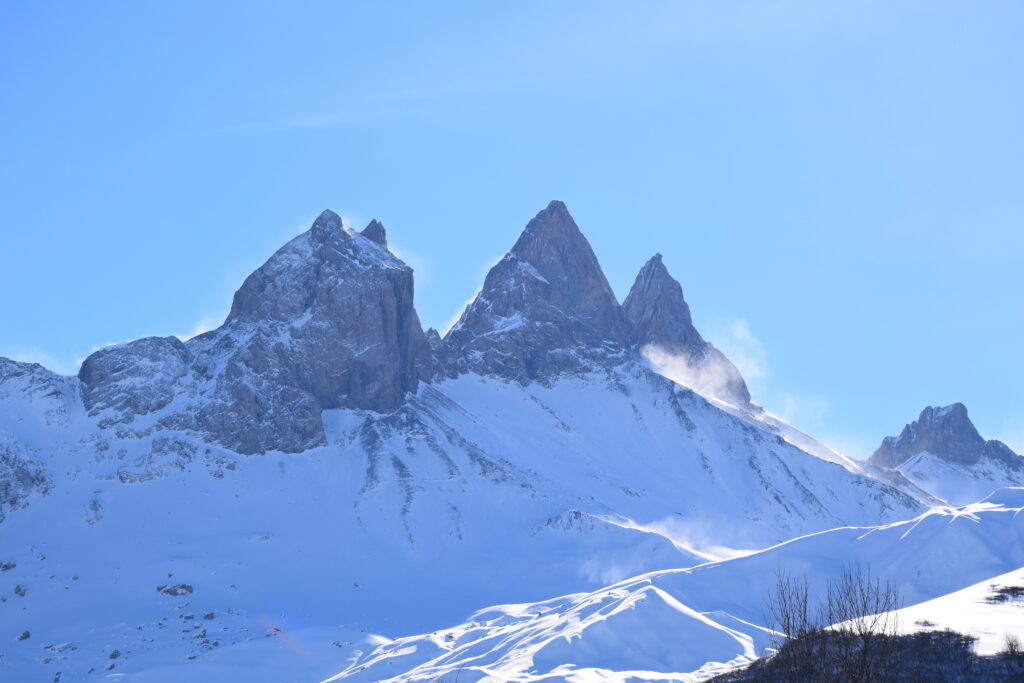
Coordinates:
(709, 377)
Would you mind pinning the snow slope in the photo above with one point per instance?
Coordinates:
(972, 610)
(257, 500)
(477, 491)
(957, 482)
(689, 624)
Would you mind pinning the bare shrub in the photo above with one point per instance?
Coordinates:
(862, 610)
(1012, 646)
(847, 635)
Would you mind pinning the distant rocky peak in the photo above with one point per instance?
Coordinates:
(375, 232)
(291, 284)
(663, 330)
(552, 229)
(556, 249)
(326, 225)
(327, 322)
(657, 310)
(946, 432)
(545, 308)
(948, 420)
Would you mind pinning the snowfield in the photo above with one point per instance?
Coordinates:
(691, 624)
(478, 491)
(975, 610)
(959, 483)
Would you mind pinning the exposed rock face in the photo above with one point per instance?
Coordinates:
(38, 401)
(947, 433)
(375, 232)
(663, 328)
(327, 322)
(132, 379)
(55, 396)
(443, 364)
(20, 477)
(546, 308)
(331, 313)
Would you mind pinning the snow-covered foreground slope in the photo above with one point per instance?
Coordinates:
(979, 610)
(688, 624)
(477, 491)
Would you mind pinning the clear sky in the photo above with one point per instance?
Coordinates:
(839, 186)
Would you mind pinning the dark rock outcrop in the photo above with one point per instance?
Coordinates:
(331, 314)
(326, 322)
(442, 359)
(947, 433)
(132, 379)
(21, 477)
(375, 232)
(662, 326)
(545, 309)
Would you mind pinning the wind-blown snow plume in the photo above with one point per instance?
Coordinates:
(711, 376)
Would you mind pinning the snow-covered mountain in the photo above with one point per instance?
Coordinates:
(943, 453)
(256, 499)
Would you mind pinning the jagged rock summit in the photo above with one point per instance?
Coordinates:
(943, 453)
(375, 231)
(327, 322)
(945, 432)
(546, 308)
(663, 329)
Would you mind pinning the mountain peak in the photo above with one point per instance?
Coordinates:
(657, 309)
(548, 294)
(944, 431)
(553, 245)
(663, 329)
(327, 322)
(554, 222)
(375, 231)
(326, 225)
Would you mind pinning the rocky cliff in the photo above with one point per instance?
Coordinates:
(327, 322)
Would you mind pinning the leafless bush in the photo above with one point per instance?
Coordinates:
(862, 610)
(847, 635)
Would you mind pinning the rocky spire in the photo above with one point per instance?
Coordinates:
(326, 322)
(546, 308)
(375, 232)
(663, 330)
(947, 433)
(656, 309)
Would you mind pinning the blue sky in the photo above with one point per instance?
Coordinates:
(838, 186)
